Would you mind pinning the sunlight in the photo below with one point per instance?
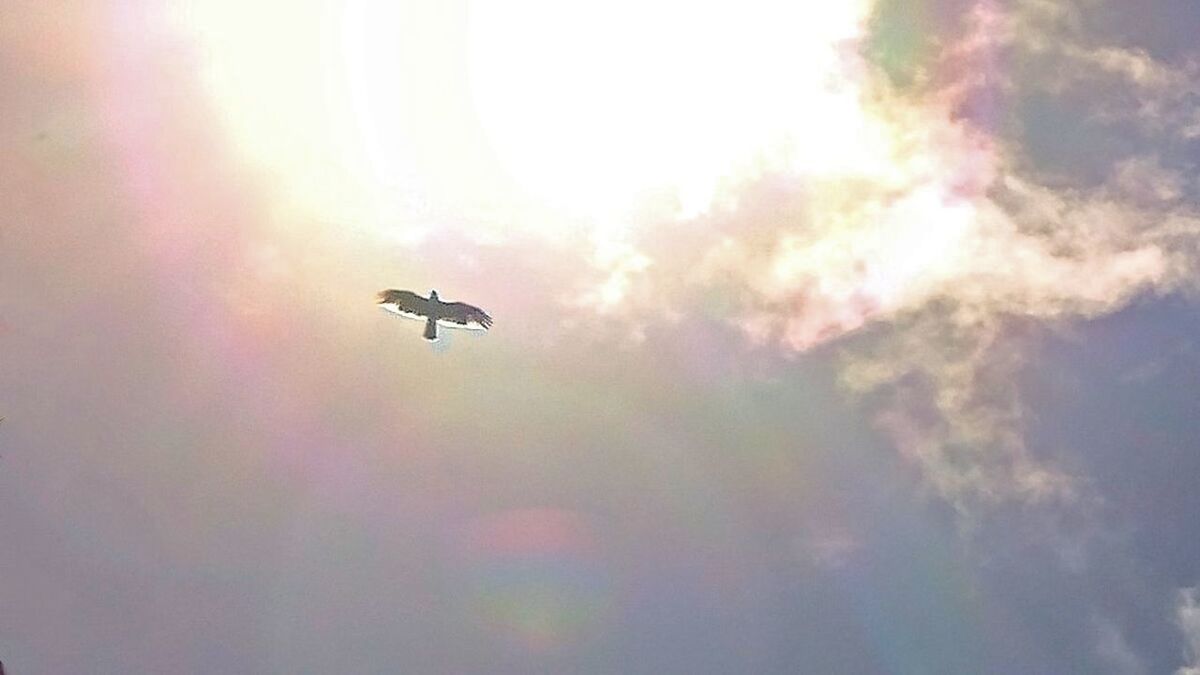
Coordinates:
(268, 68)
(588, 105)
(392, 115)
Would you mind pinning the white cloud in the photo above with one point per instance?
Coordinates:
(955, 250)
(1187, 617)
(934, 232)
(1112, 646)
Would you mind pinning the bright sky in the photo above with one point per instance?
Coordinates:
(852, 337)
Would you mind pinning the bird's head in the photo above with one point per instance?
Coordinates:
(433, 295)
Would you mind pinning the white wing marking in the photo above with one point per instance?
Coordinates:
(470, 325)
(395, 309)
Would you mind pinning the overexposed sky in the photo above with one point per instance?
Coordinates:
(854, 339)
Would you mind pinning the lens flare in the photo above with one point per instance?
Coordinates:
(536, 577)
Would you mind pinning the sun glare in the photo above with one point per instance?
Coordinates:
(370, 110)
(587, 104)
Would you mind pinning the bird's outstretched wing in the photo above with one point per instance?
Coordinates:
(404, 303)
(462, 315)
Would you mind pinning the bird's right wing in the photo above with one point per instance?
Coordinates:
(462, 315)
(405, 303)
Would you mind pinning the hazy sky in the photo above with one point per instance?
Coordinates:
(850, 337)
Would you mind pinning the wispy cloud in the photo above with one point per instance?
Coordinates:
(1187, 616)
(1030, 250)
(942, 237)
(1112, 646)
(1122, 83)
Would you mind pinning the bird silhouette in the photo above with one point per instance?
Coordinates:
(434, 311)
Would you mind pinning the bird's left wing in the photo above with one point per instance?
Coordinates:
(462, 315)
(404, 303)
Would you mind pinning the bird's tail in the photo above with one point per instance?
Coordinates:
(430, 330)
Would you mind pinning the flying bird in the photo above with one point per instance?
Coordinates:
(434, 311)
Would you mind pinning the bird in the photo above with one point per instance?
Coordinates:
(434, 311)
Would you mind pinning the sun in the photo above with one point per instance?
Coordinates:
(372, 110)
(589, 103)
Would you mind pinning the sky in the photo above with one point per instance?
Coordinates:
(856, 337)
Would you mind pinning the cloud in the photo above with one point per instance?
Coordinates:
(1187, 616)
(1032, 250)
(1112, 646)
(1028, 250)
(1123, 83)
(940, 240)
